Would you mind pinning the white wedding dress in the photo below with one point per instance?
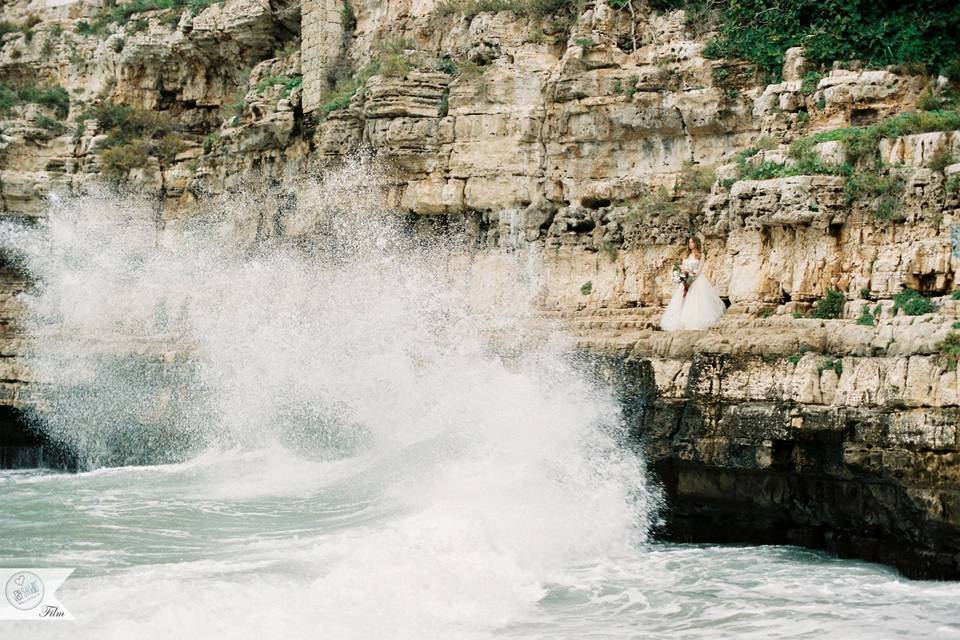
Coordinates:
(701, 308)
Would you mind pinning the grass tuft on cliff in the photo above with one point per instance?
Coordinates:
(831, 364)
(876, 32)
(866, 318)
(288, 84)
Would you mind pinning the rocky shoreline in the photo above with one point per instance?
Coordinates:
(748, 448)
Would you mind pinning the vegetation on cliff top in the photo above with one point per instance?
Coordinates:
(561, 14)
(867, 179)
(112, 13)
(393, 58)
(876, 32)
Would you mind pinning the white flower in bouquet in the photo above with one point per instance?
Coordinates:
(679, 275)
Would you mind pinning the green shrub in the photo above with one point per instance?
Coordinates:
(764, 171)
(51, 124)
(912, 303)
(955, 325)
(138, 25)
(133, 136)
(867, 179)
(346, 87)
(952, 185)
(443, 108)
(830, 306)
(448, 66)
(167, 148)
(8, 27)
(950, 348)
(810, 81)
(866, 318)
(395, 65)
(692, 188)
(941, 161)
(471, 8)
(54, 97)
(928, 101)
(828, 363)
(885, 190)
(123, 123)
(210, 141)
(695, 182)
(955, 295)
(610, 250)
(877, 33)
(806, 162)
(795, 358)
(119, 160)
(586, 288)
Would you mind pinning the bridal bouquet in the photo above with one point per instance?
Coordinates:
(682, 276)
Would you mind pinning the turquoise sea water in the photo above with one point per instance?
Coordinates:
(260, 544)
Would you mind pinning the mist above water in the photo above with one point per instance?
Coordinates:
(329, 331)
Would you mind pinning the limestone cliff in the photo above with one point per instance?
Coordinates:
(827, 202)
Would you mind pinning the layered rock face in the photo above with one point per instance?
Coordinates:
(599, 148)
(759, 436)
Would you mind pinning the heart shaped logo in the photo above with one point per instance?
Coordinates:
(19, 580)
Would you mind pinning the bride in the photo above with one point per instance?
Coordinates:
(695, 304)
